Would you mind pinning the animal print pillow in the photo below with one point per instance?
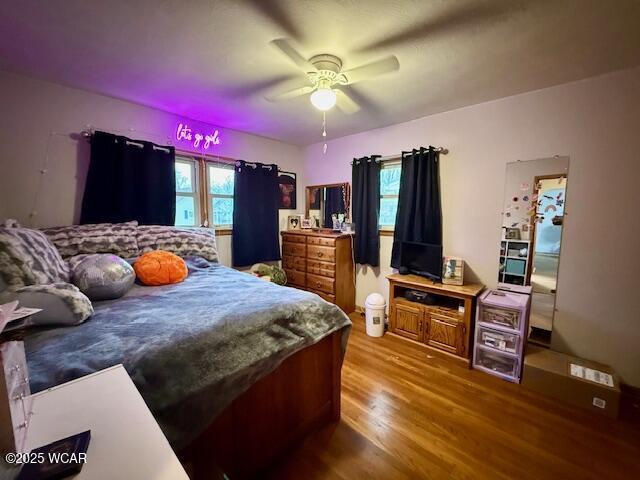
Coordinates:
(184, 242)
(27, 257)
(116, 238)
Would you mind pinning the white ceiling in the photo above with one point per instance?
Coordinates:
(211, 60)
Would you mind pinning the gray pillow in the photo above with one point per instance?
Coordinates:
(184, 242)
(117, 238)
(103, 276)
(61, 303)
(27, 257)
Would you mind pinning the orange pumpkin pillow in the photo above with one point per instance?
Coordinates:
(160, 268)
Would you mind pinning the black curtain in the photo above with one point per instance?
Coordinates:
(419, 215)
(255, 214)
(365, 176)
(333, 203)
(129, 180)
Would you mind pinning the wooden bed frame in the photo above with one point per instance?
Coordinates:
(301, 395)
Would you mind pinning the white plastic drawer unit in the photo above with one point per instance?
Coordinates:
(502, 364)
(500, 316)
(503, 341)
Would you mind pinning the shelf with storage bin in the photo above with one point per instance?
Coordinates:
(497, 363)
(502, 320)
(514, 264)
(501, 340)
(498, 351)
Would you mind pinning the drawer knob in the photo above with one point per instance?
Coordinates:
(319, 254)
(318, 284)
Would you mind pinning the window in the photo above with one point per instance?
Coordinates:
(389, 189)
(220, 194)
(211, 204)
(186, 193)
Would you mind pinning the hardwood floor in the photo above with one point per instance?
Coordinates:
(408, 413)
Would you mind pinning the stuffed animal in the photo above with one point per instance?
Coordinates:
(274, 272)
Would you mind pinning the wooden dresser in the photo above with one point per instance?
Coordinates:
(443, 325)
(322, 263)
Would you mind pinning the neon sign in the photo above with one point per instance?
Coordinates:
(184, 132)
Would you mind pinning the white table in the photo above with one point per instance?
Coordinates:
(126, 442)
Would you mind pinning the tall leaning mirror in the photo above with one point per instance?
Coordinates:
(530, 247)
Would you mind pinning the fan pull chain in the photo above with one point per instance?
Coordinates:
(324, 132)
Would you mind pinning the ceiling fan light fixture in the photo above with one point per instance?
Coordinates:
(323, 99)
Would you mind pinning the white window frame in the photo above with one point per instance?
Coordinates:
(211, 196)
(195, 182)
(385, 165)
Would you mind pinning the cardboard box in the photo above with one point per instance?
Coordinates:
(574, 380)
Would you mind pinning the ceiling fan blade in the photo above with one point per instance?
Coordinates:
(253, 88)
(451, 19)
(297, 92)
(345, 103)
(285, 47)
(371, 70)
(274, 11)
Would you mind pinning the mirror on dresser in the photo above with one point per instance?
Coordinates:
(322, 201)
(532, 223)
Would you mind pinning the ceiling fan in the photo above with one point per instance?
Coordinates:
(326, 79)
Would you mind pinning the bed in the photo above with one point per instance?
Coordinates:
(224, 360)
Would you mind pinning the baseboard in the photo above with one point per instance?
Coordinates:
(359, 309)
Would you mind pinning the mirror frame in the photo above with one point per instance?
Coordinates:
(345, 185)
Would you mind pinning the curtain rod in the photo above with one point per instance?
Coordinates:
(440, 150)
(388, 158)
(255, 165)
(88, 133)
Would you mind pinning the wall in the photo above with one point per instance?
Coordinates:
(39, 129)
(594, 122)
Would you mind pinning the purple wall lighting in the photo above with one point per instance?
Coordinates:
(197, 139)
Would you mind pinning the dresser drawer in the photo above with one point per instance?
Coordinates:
(295, 278)
(326, 254)
(295, 249)
(294, 263)
(325, 242)
(324, 284)
(321, 268)
(291, 238)
(325, 296)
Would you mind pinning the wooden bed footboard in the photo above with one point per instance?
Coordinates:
(301, 395)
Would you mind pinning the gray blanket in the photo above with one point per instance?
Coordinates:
(190, 348)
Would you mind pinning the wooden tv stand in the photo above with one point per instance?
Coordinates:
(440, 326)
